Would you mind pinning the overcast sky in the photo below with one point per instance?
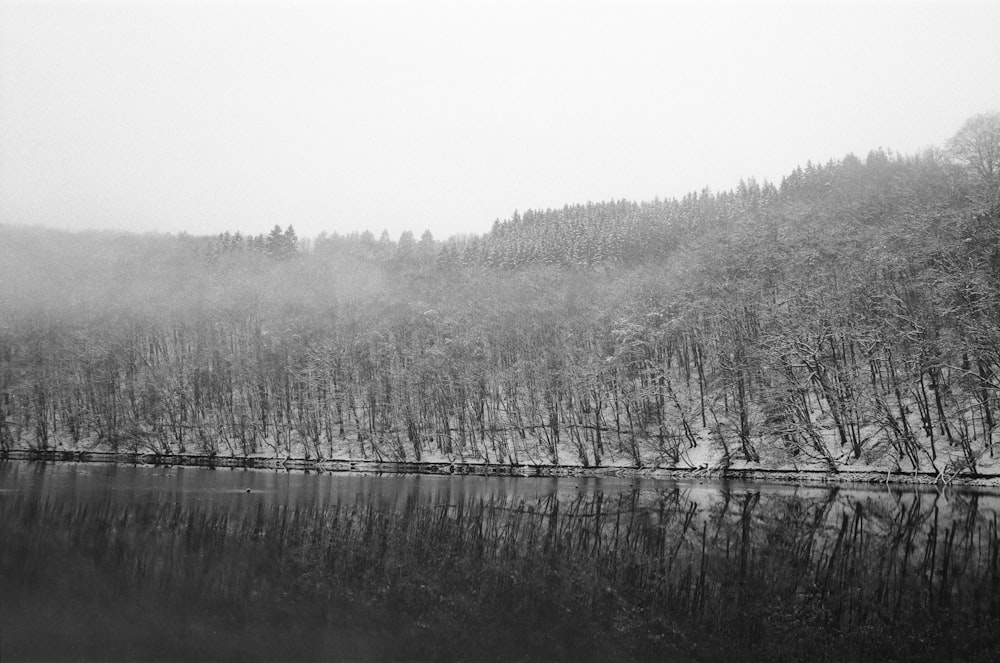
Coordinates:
(339, 116)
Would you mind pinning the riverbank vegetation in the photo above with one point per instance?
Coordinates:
(846, 317)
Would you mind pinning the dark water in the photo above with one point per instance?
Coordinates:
(101, 562)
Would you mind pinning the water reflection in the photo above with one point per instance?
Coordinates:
(89, 482)
(124, 563)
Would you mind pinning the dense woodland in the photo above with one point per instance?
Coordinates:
(848, 316)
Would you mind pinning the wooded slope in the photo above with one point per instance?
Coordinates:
(849, 316)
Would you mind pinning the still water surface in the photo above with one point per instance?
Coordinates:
(107, 562)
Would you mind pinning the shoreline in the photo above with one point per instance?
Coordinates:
(463, 468)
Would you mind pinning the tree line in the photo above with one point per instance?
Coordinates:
(849, 315)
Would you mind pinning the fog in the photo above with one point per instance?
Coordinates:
(342, 116)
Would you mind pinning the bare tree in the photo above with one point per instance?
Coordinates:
(977, 145)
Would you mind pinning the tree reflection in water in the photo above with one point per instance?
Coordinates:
(674, 574)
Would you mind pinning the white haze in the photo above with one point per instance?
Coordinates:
(341, 116)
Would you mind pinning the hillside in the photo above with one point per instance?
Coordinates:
(846, 318)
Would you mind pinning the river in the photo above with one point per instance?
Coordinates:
(137, 563)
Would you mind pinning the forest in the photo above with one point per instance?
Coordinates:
(847, 317)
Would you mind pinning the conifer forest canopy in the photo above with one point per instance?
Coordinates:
(848, 316)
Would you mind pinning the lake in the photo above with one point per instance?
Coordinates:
(136, 563)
